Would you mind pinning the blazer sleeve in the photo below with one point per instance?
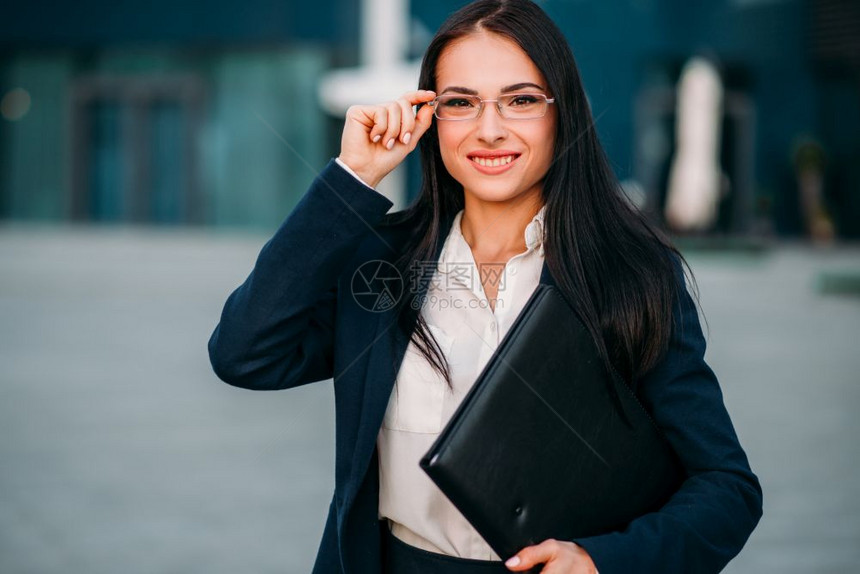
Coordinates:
(277, 328)
(709, 519)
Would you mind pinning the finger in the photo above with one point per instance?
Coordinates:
(407, 120)
(531, 556)
(379, 117)
(423, 121)
(416, 97)
(393, 131)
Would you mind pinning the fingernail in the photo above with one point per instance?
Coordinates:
(515, 561)
(377, 137)
(407, 137)
(390, 143)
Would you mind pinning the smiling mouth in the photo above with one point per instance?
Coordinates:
(493, 161)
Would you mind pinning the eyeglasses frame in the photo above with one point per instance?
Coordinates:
(435, 101)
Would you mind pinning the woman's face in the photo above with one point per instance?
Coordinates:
(489, 65)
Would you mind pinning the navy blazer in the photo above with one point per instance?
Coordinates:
(295, 321)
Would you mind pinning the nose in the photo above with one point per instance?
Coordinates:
(491, 125)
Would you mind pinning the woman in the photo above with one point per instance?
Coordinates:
(514, 182)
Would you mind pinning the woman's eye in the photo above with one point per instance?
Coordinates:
(523, 100)
(458, 103)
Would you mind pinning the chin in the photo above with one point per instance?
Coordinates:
(494, 193)
(497, 188)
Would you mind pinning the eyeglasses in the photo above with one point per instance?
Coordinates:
(510, 106)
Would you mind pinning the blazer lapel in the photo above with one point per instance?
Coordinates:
(546, 277)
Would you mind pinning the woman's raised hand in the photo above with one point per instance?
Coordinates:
(376, 138)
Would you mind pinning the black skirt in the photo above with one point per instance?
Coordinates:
(399, 557)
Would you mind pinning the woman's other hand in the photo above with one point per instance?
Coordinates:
(376, 138)
(558, 558)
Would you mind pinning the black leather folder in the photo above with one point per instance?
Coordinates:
(539, 449)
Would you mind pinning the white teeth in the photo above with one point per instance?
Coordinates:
(494, 162)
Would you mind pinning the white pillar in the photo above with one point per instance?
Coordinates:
(384, 32)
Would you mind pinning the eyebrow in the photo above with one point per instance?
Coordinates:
(506, 89)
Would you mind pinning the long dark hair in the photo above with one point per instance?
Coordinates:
(609, 262)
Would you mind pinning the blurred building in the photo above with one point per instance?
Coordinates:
(165, 112)
(189, 113)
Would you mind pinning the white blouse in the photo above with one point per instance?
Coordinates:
(468, 331)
